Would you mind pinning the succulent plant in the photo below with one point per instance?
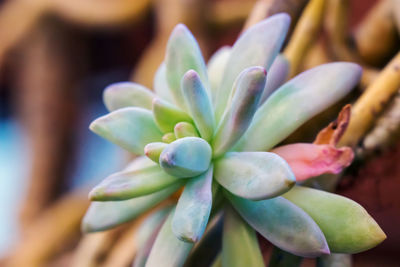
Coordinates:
(212, 130)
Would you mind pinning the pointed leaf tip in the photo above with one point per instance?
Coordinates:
(347, 226)
(130, 184)
(127, 94)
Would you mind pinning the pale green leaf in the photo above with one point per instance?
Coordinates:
(296, 102)
(347, 226)
(254, 175)
(127, 94)
(131, 128)
(284, 224)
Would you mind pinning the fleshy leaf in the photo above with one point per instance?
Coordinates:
(105, 215)
(276, 76)
(183, 54)
(130, 128)
(146, 235)
(168, 250)
(258, 46)
(138, 163)
(198, 104)
(151, 223)
(185, 129)
(254, 175)
(168, 138)
(186, 157)
(127, 94)
(193, 209)
(130, 184)
(153, 150)
(239, 242)
(289, 107)
(167, 115)
(240, 110)
(216, 67)
(309, 160)
(284, 224)
(347, 226)
(209, 246)
(160, 84)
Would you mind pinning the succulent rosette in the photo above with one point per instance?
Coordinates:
(212, 129)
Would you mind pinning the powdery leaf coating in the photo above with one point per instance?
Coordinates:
(216, 67)
(186, 157)
(347, 226)
(284, 224)
(127, 94)
(183, 54)
(277, 75)
(160, 84)
(130, 184)
(240, 109)
(239, 242)
(167, 115)
(289, 107)
(108, 214)
(228, 111)
(254, 175)
(193, 208)
(198, 104)
(147, 233)
(258, 46)
(131, 128)
(167, 249)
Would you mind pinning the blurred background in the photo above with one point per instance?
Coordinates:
(57, 56)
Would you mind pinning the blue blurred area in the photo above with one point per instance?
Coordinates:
(14, 167)
(96, 158)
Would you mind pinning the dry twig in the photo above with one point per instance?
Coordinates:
(372, 102)
(305, 33)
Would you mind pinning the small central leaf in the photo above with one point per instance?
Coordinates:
(186, 157)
